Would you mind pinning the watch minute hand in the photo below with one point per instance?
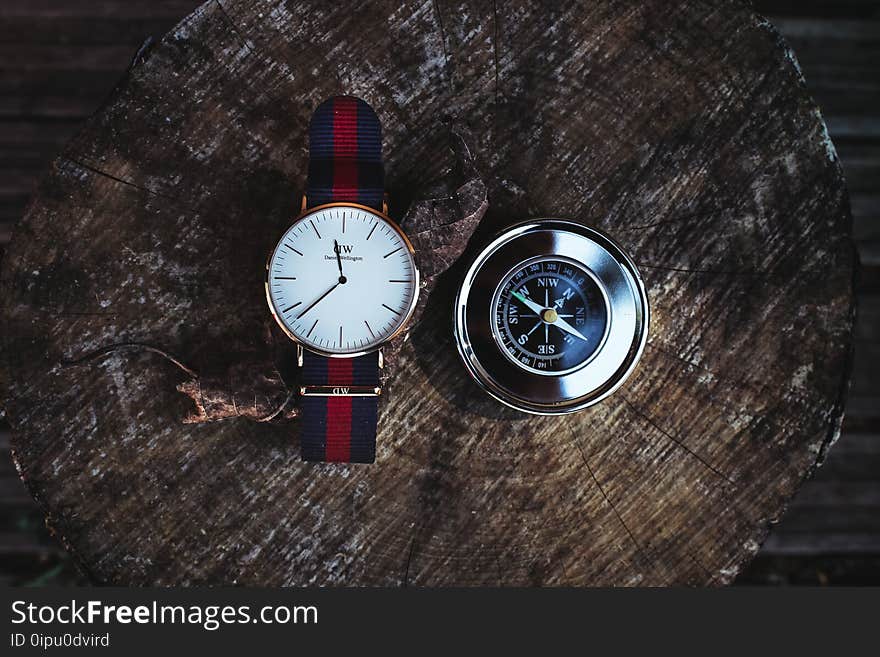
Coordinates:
(316, 301)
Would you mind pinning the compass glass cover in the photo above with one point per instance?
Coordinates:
(549, 315)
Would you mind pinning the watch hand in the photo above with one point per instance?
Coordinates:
(531, 305)
(316, 301)
(336, 249)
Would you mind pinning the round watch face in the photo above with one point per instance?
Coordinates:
(342, 280)
(550, 316)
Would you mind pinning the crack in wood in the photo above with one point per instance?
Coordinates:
(639, 550)
(409, 558)
(496, 36)
(710, 272)
(446, 65)
(122, 181)
(234, 27)
(677, 442)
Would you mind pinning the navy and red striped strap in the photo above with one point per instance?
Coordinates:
(339, 428)
(345, 154)
(345, 164)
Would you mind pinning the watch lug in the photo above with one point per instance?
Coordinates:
(381, 358)
(385, 203)
(299, 355)
(304, 204)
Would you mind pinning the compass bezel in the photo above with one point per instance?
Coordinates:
(609, 366)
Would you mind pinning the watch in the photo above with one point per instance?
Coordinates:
(342, 282)
(552, 317)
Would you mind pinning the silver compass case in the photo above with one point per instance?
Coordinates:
(509, 369)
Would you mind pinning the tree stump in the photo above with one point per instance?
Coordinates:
(683, 129)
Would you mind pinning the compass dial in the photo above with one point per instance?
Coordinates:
(549, 315)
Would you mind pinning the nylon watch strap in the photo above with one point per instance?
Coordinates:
(345, 164)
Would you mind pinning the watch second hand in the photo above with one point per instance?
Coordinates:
(316, 301)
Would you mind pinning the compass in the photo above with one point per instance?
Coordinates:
(552, 317)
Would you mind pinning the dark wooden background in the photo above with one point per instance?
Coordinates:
(60, 58)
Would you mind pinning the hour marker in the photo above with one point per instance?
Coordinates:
(292, 249)
(391, 309)
(340, 336)
(399, 281)
(315, 229)
(393, 252)
(343, 232)
(370, 330)
(284, 278)
(292, 307)
(312, 329)
(372, 230)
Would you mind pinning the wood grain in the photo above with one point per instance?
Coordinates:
(684, 130)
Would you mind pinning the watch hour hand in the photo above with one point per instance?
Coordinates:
(337, 250)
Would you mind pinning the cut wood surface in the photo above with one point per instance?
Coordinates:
(685, 130)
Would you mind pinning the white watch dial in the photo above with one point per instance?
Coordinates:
(342, 280)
